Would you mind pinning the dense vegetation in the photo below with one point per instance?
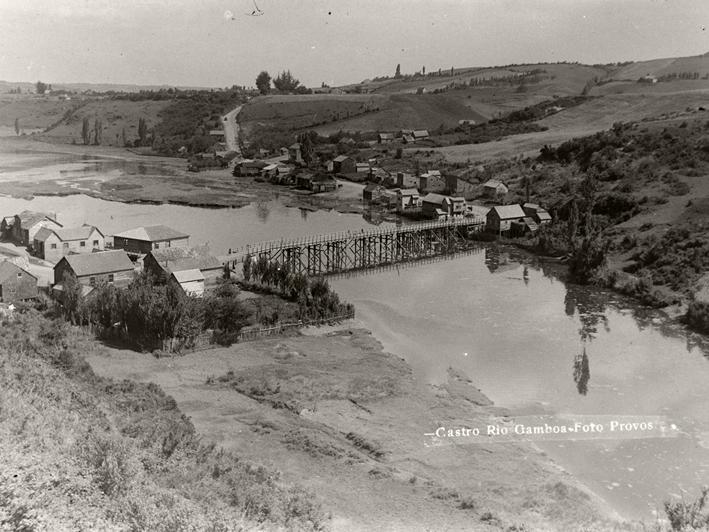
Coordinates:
(82, 452)
(315, 299)
(187, 120)
(150, 312)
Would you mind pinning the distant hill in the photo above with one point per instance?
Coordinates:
(662, 67)
(5, 86)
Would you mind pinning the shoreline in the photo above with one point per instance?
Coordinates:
(333, 410)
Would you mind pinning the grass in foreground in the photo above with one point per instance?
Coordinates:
(86, 452)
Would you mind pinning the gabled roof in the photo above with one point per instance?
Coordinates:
(9, 270)
(295, 146)
(67, 234)
(272, 166)
(438, 199)
(506, 212)
(254, 164)
(386, 136)
(531, 206)
(185, 276)
(420, 133)
(408, 138)
(409, 192)
(543, 215)
(432, 173)
(98, 263)
(494, 183)
(30, 218)
(177, 259)
(340, 158)
(153, 233)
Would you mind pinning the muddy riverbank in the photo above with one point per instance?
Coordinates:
(333, 411)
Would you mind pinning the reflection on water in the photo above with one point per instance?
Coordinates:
(514, 339)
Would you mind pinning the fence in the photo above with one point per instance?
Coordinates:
(261, 332)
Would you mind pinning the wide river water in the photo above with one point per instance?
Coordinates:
(510, 325)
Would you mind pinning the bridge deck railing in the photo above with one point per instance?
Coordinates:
(345, 235)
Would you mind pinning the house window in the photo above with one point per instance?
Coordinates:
(95, 243)
(65, 245)
(53, 246)
(92, 281)
(110, 277)
(19, 275)
(82, 244)
(157, 245)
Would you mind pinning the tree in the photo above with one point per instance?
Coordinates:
(98, 128)
(142, 130)
(397, 74)
(41, 87)
(307, 140)
(423, 70)
(248, 263)
(285, 82)
(86, 130)
(17, 126)
(263, 82)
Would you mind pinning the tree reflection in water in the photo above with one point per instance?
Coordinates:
(591, 310)
(262, 211)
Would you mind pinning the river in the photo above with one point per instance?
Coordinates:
(514, 328)
(517, 332)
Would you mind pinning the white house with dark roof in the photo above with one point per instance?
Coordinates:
(54, 243)
(142, 240)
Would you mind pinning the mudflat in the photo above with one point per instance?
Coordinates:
(333, 412)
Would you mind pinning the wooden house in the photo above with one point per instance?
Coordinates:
(385, 138)
(432, 181)
(190, 282)
(6, 227)
(27, 223)
(295, 154)
(408, 201)
(323, 183)
(53, 244)
(432, 203)
(495, 189)
(163, 262)
(372, 192)
(89, 269)
(499, 219)
(142, 240)
(406, 180)
(461, 187)
(304, 181)
(343, 165)
(16, 284)
(362, 168)
(249, 168)
(420, 134)
(537, 213)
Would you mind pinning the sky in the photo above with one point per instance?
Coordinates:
(197, 43)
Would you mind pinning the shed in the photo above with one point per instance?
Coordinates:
(386, 138)
(91, 268)
(163, 262)
(537, 213)
(191, 282)
(142, 240)
(343, 164)
(324, 183)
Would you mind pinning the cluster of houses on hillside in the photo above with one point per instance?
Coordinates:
(83, 254)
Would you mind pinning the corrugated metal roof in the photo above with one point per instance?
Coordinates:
(153, 233)
(98, 263)
(506, 212)
(185, 276)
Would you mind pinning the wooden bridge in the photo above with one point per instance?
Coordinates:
(356, 250)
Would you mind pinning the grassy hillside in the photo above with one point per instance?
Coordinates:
(33, 112)
(115, 116)
(663, 67)
(82, 452)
